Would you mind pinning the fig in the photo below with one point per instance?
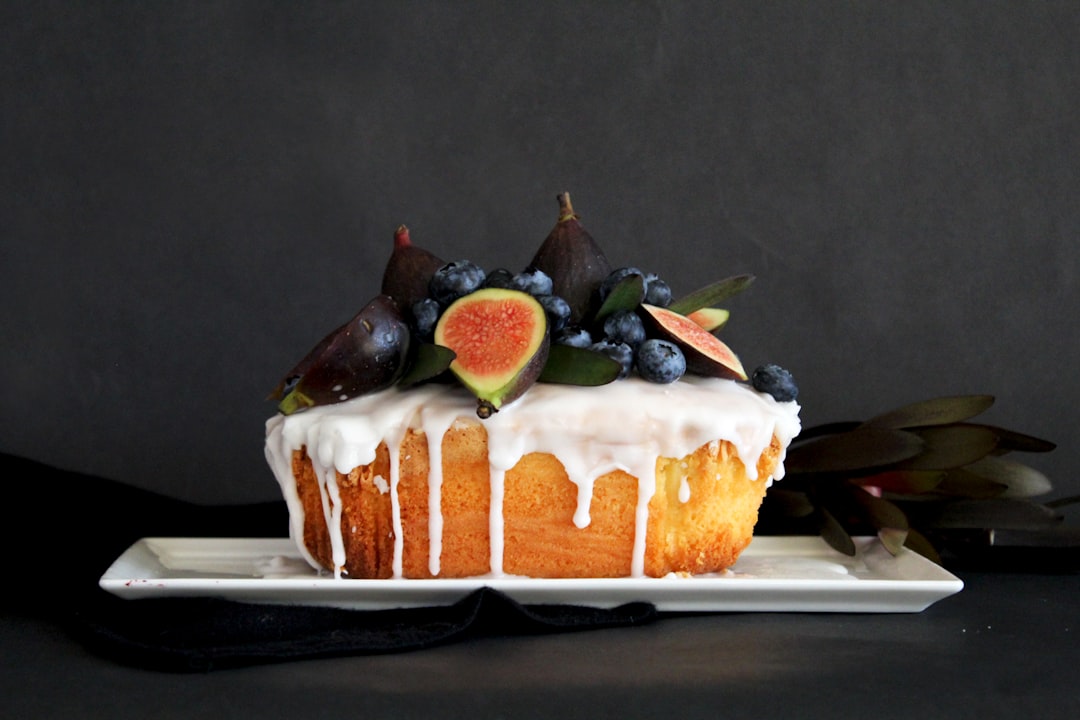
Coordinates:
(573, 261)
(364, 355)
(705, 353)
(408, 270)
(711, 319)
(500, 340)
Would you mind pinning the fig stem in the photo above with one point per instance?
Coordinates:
(566, 210)
(484, 409)
(401, 237)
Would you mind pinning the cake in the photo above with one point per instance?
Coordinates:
(466, 424)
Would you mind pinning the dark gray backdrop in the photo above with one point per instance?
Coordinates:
(194, 193)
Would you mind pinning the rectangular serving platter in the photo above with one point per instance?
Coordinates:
(774, 574)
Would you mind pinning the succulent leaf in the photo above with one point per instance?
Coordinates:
(919, 543)
(903, 481)
(893, 539)
(1018, 479)
(950, 446)
(1012, 441)
(860, 449)
(959, 483)
(995, 513)
(937, 411)
(834, 533)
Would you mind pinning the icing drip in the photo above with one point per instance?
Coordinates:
(626, 425)
(435, 524)
(395, 505)
(646, 476)
(498, 488)
(435, 425)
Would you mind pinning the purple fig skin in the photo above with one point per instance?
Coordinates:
(408, 270)
(365, 355)
(574, 261)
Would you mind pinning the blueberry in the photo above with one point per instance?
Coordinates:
(617, 351)
(455, 280)
(776, 381)
(574, 336)
(426, 315)
(533, 281)
(557, 309)
(660, 361)
(500, 278)
(657, 292)
(614, 278)
(625, 326)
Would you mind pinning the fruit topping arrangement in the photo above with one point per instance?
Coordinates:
(568, 317)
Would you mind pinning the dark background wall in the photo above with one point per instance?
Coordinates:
(194, 193)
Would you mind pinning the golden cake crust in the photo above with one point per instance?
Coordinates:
(704, 534)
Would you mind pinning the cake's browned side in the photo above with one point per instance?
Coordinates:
(704, 534)
(366, 524)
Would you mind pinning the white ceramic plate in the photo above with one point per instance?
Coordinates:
(774, 574)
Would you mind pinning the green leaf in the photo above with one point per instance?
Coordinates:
(812, 433)
(712, 294)
(626, 295)
(1012, 441)
(1064, 502)
(834, 534)
(938, 411)
(903, 481)
(568, 365)
(1006, 513)
(893, 539)
(950, 446)
(882, 514)
(919, 543)
(431, 361)
(861, 449)
(789, 503)
(1018, 479)
(960, 483)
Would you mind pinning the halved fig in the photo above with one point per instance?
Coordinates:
(500, 339)
(705, 353)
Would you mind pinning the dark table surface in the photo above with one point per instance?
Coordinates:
(1006, 646)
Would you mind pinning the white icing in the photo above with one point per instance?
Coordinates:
(626, 425)
(380, 484)
(495, 520)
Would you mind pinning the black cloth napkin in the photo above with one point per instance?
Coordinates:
(74, 525)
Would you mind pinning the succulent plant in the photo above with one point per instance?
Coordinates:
(924, 476)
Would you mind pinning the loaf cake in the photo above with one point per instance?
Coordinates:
(645, 450)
